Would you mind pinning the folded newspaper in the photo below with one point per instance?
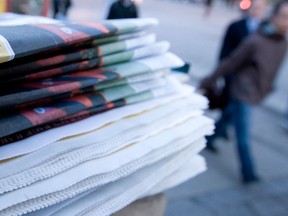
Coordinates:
(92, 118)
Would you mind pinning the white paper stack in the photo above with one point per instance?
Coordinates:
(101, 164)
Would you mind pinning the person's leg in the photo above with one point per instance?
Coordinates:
(228, 119)
(225, 98)
(241, 121)
(55, 8)
(66, 6)
(220, 127)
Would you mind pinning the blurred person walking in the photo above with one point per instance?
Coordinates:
(61, 8)
(254, 66)
(123, 9)
(235, 34)
(240, 29)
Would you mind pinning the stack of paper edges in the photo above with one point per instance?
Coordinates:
(92, 119)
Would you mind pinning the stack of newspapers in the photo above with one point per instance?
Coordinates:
(91, 118)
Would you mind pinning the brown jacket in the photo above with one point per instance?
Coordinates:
(254, 66)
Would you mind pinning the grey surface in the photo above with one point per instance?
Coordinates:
(220, 191)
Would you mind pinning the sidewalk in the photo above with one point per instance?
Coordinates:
(265, 199)
(219, 191)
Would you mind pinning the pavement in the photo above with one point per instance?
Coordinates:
(218, 191)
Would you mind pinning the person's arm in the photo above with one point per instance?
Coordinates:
(233, 63)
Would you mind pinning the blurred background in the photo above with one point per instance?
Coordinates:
(195, 30)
